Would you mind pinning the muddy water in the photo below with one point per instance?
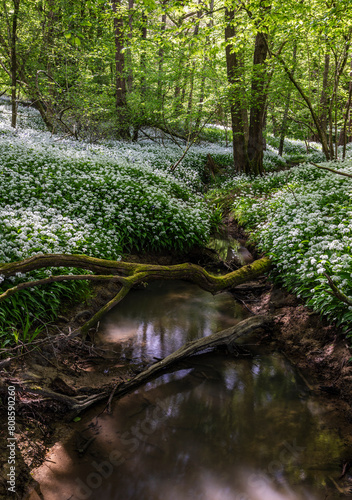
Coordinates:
(218, 428)
(154, 322)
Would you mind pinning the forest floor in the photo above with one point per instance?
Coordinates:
(71, 367)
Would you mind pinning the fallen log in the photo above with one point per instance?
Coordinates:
(226, 337)
(223, 338)
(128, 274)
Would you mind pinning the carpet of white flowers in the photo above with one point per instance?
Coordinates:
(63, 196)
(303, 219)
(60, 199)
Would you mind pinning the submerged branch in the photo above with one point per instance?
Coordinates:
(223, 338)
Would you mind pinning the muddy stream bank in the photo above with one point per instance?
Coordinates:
(243, 425)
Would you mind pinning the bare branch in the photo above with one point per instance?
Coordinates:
(336, 292)
(345, 174)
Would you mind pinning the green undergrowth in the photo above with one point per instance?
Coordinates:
(114, 197)
(27, 314)
(302, 219)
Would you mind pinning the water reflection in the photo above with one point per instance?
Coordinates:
(155, 321)
(225, 247)
(220, 428)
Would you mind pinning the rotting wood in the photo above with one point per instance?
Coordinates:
(223, 338)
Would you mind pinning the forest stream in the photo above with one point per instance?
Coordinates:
(221, 426)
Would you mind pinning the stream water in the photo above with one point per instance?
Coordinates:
(221, 427)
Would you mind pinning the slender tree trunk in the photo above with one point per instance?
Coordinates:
(191, 82)
(14, 66)
(323, 107)
(128, 51)
(161, 54)
(49, 42)
(143, 60)
(340, 64)
(234, 65)
(346, 135)
(321, 133)
(206, 59)
(287, 106)
(121, 102)
(258, 106)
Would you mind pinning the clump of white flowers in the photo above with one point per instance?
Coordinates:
(65, 196)
(302, 218)
(73, 197)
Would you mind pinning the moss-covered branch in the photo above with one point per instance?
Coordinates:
(55, 279)
(128, 274)
(145, 272)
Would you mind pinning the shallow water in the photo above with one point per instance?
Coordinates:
(155, 321)
(219, 428)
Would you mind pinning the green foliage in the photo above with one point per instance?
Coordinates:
(302, 219)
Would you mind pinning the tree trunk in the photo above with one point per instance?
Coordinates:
(346, 132)
(235, 69)
(14, 66)
(189, 118)
(121, 102)
(143, 60)
(321, 133)
(161, 54)
(287, 106)
(206, 60)
(258, 105)
(324, 96)
(128, 51)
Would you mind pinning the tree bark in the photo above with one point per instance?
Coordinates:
(235, 70)
(161, 53)
(13, 57)
(128, 51)
(143, 60)
(206, 60)
(121, 101)
(258, 105)
(346, 132)
(321, 133)
(128, 274)
(287, 106)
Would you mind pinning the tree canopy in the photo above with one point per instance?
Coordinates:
(99, 69)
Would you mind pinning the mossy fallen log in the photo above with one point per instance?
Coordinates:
(128, 274)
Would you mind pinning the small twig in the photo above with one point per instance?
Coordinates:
(336, 292)
(245, 305)
(148, 136)
(291, 191)
(83, 448)
(108, 405)
(173, 168)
